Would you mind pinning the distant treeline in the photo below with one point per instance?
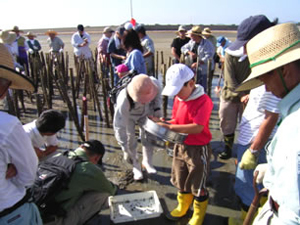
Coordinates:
(99, 29)
(175, 27)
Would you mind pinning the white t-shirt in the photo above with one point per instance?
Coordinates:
(15, 148)
(254, 113)
(37, 139)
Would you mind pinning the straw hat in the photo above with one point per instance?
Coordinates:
(142, 89)
(16, 29)
(108, 30)
(30, 34)
(206, 31)
(271, 49)
(51, 32)
(7, 71)
(196, 30)
(7, 37)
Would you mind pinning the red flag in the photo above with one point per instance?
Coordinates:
(133, 22)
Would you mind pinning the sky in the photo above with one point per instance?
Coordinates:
(35, 14)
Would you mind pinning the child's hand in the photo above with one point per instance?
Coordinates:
(163, 124)
(156, 119)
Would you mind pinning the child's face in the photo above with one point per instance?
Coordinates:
(187, 90)
(122, 74)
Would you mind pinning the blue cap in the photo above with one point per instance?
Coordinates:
(248, 29)
(220, 40)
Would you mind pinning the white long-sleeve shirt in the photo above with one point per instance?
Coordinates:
(77, 40)
(15, 148)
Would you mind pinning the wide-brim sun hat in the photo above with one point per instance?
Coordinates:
(108, 30)
(176, 76)
(196, 30)
(142, 89)
(7, 37)
(18, 81)
(16, 29)
(269, 50)
(51, 32)
(206, 31)
(30, 34)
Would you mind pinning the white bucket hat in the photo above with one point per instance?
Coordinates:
(271, 49)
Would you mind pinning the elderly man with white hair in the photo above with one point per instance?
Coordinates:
(140, 99)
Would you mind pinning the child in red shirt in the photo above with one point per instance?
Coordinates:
(191, 113)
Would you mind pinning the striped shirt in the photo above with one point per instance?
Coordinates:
(259, 101)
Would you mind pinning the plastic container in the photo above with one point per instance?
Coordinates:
(133, 207)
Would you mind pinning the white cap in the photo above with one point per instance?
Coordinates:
(176, 76)
(128, 26)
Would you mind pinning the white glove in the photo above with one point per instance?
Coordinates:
(261, 168)
(35, 47)
(30, 51)
(61, 50)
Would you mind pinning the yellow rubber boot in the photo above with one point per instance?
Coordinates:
(238, 220)
(199, 212)
(184, 202)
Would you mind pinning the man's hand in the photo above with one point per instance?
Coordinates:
(262, 169)
(194, 55)
(11, 171)
(249, 160)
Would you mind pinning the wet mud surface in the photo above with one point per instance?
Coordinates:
(222, 201)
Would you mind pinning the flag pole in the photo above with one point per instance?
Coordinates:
(131, 9)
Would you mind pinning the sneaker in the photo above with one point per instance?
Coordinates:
(137, 173)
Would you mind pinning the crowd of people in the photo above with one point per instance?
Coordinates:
(260, 95)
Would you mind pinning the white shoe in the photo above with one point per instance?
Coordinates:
(137, 173)
(149, 168)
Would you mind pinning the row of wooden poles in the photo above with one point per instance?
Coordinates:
(54, 80)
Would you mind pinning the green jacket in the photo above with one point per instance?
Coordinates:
(86, 177)
(235, 73)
